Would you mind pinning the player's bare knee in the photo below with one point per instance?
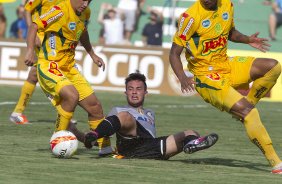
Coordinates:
(241, 109)
(127, 121)
(95, 110)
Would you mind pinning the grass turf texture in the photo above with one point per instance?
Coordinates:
(26, 158)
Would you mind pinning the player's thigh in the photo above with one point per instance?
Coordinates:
(217, 91)
(51, 80)
(240, 71)
(81, 84)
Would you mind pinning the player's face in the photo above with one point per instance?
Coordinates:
(80, 5)
(209, 4)
(135, 93)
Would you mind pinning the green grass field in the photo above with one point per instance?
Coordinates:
(25, 157)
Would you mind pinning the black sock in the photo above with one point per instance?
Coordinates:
(108, 127)
(189, 138)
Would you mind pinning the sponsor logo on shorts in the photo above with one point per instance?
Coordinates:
(206, 23)
(213, 45)
(214, 76)
(53, 68)
(225, 16)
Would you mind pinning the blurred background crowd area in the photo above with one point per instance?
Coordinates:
(250, 16)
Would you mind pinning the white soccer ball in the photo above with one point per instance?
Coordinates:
(63, 144)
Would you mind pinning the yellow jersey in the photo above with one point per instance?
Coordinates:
(36, 7)
(204, 35)
(62, 29)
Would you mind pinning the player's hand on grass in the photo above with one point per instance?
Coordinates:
(259, 43)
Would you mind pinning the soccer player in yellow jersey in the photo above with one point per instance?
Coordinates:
(203, 31)
(63, 26)
(33, 9)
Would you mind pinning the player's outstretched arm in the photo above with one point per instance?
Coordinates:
(30, 41)
(253, 40)
(84, 40)
(187, 84)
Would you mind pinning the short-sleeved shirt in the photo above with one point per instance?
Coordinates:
(36, 7)
(204, 35)
(146, 118)
(154, 33)
(62, 29)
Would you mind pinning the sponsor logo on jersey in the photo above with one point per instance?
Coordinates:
(225, 16)
(50, 11)
(187, 28)
(52, 44)
(184, 16)
(72, 26)
(213, 45)
(53, 68)
(214, 76)
(206, 23)
(52, 19)
(52, 41)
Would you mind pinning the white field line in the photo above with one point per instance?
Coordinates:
(168, 106)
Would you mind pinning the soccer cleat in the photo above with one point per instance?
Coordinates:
(19, 119)
(90, 139)
(73, 121)
(105, 147)
(105, 151)
(200, 143)
(277, 169)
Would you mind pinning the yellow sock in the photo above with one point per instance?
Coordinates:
(259, 136)
(26, 93)
(102, 142)
(263, 85)
(63, 118)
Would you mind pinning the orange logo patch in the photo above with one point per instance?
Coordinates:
(53, 68)
(214, 76)
(214, 44)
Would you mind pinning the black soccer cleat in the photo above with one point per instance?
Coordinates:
(90, 139)
(200, 143)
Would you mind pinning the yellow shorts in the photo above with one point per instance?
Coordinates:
(52, 80)
(220, 89)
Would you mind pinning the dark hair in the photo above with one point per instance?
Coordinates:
(136, 76)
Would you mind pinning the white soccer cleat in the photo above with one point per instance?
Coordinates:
(277, 169)
(19, 119)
